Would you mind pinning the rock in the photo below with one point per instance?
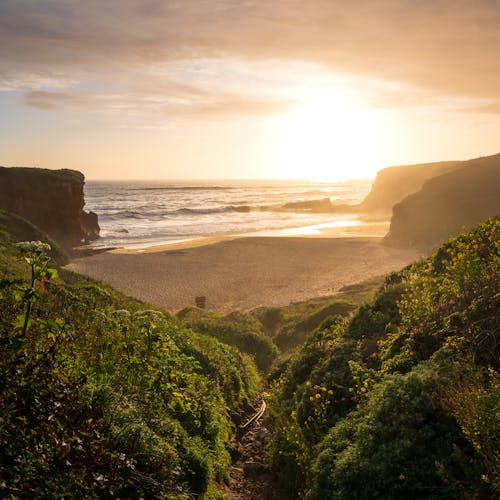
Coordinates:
(264, 435)
(393, 184)
(90, 226)
(52, 200)
(447, 205)
(321, 205)
(254, 467)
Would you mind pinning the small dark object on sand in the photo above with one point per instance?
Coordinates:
(201, 301)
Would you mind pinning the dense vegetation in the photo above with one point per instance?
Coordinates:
(101, 396)
(289, 326)
(270, 334)
(236, 329)
(402, 400)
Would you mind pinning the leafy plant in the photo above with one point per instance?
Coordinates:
(412, 413)
(100, 396)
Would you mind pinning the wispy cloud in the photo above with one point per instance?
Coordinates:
(215, 106)
(232, 56)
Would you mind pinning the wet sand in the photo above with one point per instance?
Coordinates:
(243, 272)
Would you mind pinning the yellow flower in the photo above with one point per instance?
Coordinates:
(402, 477)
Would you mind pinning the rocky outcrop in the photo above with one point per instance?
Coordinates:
(393, 184)
(448, 204)
(52, 200)
(317, 206)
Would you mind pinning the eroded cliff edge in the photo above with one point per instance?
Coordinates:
(52, 200)
(393, 184)
(447, 205)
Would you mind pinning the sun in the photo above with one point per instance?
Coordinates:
(328, 136)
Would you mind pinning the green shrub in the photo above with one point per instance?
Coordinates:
(102, 397)
(236, 329)
(405, 418)
(397, 445)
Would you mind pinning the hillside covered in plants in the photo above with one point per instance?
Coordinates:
(401, 400)
(100, 396)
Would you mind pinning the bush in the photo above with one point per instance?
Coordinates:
(101, 397)
(397, 445)
(405, 419)
(236, 329)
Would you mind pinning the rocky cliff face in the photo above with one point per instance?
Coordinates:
(447, 204)
(393, 184)
(52, 200)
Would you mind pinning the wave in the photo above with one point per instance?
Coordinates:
(214, 210)
(180, 188)
(126, 214)
(314, 205)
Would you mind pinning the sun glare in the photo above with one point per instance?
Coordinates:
(328, 137)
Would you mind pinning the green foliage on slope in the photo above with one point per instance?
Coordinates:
(13, 229)
(402, 400)
(289, 326)
(236, 329)
(102, 397)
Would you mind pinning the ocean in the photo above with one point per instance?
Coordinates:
(135, 214)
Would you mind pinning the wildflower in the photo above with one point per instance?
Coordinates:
(33, 247)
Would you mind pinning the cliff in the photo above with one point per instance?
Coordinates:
(52, 200)
(393, 184)
(447, 204)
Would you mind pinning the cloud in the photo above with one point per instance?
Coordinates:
(446, 47)
(215, 106)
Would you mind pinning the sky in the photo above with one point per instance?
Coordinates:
(310, 89)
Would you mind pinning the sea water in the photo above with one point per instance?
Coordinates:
(142, 213)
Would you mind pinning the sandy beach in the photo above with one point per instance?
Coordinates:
(242, 273)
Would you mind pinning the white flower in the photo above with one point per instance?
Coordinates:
(37, 247)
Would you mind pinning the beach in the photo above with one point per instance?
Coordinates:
(241, 273)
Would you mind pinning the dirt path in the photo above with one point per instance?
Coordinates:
(250, 479)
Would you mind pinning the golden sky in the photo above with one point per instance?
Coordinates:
(323, 89)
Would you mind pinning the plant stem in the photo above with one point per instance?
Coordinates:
(28, 305)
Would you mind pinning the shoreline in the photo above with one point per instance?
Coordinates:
(323, 230)
(242, 272)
